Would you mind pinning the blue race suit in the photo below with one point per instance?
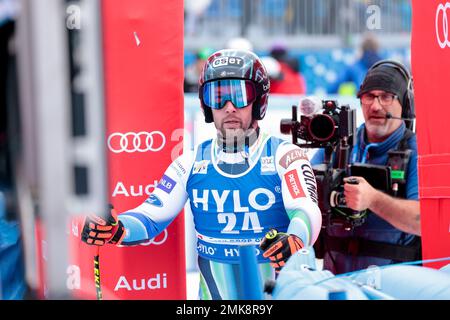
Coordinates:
(235, 199)
(374, 228)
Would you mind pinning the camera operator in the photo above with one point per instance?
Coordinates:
(391, 230)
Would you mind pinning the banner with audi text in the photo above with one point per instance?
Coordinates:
(143, 74)
(431, 71)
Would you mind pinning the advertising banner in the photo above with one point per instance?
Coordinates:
(431, 71)
(143, 78)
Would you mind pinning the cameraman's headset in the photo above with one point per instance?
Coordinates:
(408, 109)
(399, 159)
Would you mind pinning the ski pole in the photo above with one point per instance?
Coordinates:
(98, 286)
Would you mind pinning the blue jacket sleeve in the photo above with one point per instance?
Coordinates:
(318, 157)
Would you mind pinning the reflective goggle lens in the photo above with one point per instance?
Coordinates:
(240, 92)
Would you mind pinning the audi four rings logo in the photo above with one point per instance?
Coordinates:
(136, 142)
(158, 242)
(442, 34)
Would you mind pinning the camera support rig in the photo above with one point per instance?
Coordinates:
(332, 130)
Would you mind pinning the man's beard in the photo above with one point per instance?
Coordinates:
(235, 140)
(378, 131)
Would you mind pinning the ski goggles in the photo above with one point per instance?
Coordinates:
(215, 94)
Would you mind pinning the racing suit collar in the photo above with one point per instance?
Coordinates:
(251, 137)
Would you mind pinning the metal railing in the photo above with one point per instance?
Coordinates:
(260, 20)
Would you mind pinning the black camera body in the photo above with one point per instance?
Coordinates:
(322, 129)
(333, 130)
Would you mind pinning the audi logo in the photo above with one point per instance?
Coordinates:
(165, 234)
(136, 142)
(442, 34)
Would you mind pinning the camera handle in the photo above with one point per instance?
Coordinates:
(352, 181)
(328, 153)
(344, 150)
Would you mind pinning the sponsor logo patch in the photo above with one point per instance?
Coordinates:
(310, 181)
(292, 156)
(200, 167)
(267, 164)
(225, 61)
(178, 167)
(293, 184)
(154, 201)
(166, 184)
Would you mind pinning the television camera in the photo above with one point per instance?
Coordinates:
(333, 129)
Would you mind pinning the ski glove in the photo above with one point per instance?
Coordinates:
(279, 246)
(98, 231)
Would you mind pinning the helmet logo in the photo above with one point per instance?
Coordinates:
(225, 61)
(260, 76)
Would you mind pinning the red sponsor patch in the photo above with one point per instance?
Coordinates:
(293, 184)
(292, 156)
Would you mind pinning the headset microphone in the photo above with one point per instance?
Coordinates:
(390, 116)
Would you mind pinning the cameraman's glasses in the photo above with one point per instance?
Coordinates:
(384, 99)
